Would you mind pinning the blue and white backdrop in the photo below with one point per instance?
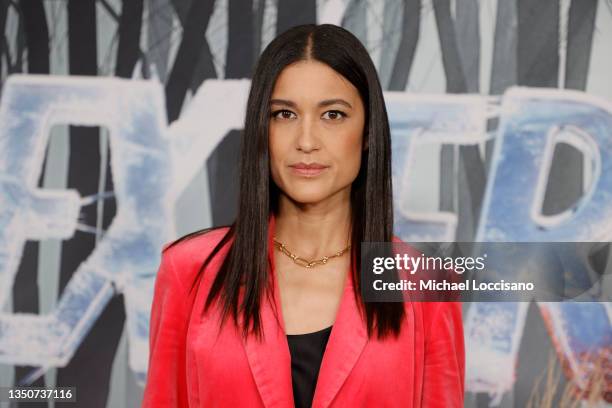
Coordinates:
(119, 129)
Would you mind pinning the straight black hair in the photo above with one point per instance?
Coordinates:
(246, 263)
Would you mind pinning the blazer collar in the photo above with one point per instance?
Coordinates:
(270, 360)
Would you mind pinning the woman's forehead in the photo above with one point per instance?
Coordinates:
(313, 82)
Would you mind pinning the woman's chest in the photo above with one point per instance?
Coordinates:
(309, 298)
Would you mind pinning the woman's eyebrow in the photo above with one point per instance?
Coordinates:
(325, 102)
(282, 102)
(340, 101)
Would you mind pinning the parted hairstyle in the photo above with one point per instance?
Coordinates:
(246, 263)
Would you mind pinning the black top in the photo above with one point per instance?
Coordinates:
(306, 355)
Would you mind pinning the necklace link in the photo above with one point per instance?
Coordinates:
(304, 262)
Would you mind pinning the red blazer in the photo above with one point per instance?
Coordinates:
(189, 366)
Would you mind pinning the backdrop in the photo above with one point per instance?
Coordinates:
(119, 130)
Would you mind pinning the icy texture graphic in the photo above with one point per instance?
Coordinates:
(418, 119)
(532, 121)
(151, 164)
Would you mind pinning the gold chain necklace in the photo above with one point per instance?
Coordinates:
(304, 262)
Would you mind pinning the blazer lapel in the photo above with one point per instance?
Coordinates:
(270, 359)
(270, 362)
(346, 342)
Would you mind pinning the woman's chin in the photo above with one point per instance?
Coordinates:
(307, 197)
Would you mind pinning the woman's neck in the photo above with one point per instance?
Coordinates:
(313, 231)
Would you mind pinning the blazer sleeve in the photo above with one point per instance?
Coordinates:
(166, 384)
(444, 373)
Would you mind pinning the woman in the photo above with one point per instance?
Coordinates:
(274, 316)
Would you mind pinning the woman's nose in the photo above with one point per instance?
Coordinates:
(307, 140)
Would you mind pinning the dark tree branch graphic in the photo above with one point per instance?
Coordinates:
(192, 44)
(579, 43)
(25, 288)
(130, 24)
(411, 19)
(295, 12)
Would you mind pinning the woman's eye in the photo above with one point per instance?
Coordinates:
(335, 114)
(284, 114)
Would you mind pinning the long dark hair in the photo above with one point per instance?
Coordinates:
(246, 263)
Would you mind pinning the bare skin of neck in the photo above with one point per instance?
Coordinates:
(313, 231)
(310, 297)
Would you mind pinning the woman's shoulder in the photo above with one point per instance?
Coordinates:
(195, 242)
(187, 253)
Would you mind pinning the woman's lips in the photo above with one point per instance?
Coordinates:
(308, 169)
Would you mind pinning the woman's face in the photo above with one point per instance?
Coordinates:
(315, 132)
